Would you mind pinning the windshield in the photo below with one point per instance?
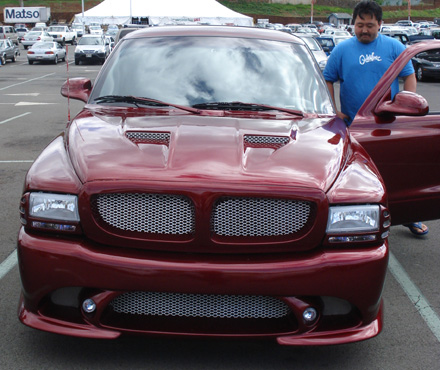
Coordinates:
(340, 39)
(42, 45)
(198, 70)
(91, 41)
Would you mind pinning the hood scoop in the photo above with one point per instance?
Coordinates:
(265, 141)
(148, 137)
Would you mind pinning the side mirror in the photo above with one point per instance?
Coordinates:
(405, 103)
(77, 88)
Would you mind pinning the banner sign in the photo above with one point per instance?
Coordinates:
(26, 15)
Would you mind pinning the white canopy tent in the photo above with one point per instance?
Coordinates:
(160, 12)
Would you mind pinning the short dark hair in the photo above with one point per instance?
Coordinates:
(367, 7)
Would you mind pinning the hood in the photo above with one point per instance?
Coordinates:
(113, 145)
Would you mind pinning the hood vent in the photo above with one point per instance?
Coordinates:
(145, 137)
(263, 141)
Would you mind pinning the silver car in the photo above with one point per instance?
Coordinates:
(45, 51)
(8, 50)
(35, 36)
(316, 48)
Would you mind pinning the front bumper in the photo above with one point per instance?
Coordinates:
(90, 57)
(345, 287)
(432, 72)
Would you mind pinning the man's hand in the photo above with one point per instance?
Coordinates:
(342, 115)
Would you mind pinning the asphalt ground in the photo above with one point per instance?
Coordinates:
(32, 113)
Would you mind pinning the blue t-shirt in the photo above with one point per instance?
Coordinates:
(360, 66)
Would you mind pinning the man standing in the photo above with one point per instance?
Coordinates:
(359, 63)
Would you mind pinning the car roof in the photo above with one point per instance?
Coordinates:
(219, 31)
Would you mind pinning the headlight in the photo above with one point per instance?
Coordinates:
(60, 207)
(352, 219)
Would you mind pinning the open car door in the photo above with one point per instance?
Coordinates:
(403, 138)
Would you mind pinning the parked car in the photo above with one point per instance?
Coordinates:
(79, 28)
(111, 41)
(435, 32)
(427, 64)
(62, 34)
(335, 32)
(316, 48)
(21, 32)
(34, 36)
(92, 48)
(8, 50)
(8, 32)
(39, 28)
(46, 51)
(208, 188)
(124, 31)
(95, 30)
(327, 43)
(405, 23)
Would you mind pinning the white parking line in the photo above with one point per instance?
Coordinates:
(8, 264)
(26, 81)
(23, 161)
(415, 295)
(12, 118)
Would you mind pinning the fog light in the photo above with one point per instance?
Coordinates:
(89, 306)
(310, 315)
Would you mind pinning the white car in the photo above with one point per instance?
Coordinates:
(316, 48)
(79, 29)
(92, 48)
(62, 34)
(49, 51)
(95, 30)
(34, 36)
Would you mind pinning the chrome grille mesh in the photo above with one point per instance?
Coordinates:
(242, 216)
(200, 305)
(149, 137)
(258, 141)
(147, 213)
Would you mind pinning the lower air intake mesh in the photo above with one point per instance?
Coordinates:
(200, 305)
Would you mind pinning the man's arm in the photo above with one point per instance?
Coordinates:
(410, 83)
(332, 94)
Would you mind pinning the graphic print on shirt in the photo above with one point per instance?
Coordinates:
(369, 58)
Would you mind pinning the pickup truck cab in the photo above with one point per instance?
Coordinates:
(62, 34)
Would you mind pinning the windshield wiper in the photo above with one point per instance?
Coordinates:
(141, 100)
(240, 106)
